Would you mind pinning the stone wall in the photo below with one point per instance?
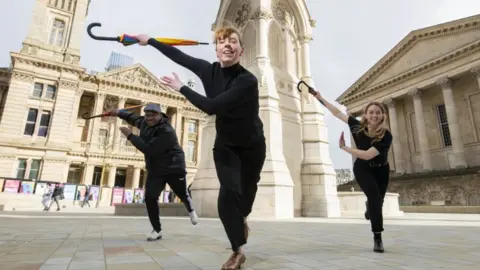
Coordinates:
(460, 187)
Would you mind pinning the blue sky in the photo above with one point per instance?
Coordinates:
(349, 38)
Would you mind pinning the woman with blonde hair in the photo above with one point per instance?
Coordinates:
(371, 167)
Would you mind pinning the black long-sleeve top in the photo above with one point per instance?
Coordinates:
(231, 94)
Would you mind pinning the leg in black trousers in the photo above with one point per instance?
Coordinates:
(153, 188)
(238, 170)
(178, 183)
(373, 181)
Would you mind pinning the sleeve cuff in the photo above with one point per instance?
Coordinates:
(129, 136)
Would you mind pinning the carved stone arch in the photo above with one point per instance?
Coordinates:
(293, 14)
(249, 36)
(276, 45)
(237, 14)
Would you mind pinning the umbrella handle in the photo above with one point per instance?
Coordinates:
(89, 31)
(86, 117)
(310, 89)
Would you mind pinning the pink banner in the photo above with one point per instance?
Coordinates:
(117, 195)
(11, 186)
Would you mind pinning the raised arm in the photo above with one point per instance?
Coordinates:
(243, 90)
(157, 145)
(196, 65)
(131, 118)
(334, 110)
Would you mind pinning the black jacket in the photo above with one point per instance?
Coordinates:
(159, 144)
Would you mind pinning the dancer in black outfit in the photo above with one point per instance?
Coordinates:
(240, 148)
(371, 168)
(164, 159)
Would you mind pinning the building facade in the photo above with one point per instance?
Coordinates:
(430, 83)
(45, 93)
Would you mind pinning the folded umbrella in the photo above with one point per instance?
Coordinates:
(304, 88)
(128, 40)
(105, 114)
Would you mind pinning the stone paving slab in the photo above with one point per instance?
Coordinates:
(56, 241)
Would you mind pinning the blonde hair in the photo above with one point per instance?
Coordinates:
(381, 129)
(226, 32)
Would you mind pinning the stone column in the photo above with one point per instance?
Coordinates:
(421, 131)
(118, 124)
(185, 132)
(136, 177)
(318, 178)
(177, 123)
(94, 128)
(397, 147)
(88, 171)
(112, 172)
(78, 98)
(475, 71)
(206, 185)
(459, 160)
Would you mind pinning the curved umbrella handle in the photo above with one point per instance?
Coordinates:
(310, 89)
(89, 31)
(86, 117)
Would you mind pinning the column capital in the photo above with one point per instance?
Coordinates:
(261, 13)
(445, 83)
(415, 93)
(390, 102)
(79, 92)
(476, 71)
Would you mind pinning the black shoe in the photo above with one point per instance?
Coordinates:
(367, 215)
(378, 246)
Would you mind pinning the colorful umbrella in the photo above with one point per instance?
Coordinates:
(86, 117)
(303, 87)
(128, 40)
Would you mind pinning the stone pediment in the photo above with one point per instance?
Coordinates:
(418, 49)
(136, 75)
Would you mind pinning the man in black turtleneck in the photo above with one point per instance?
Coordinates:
(240, 149)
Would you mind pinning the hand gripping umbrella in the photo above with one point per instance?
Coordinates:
(105, 114)
(128, 40)
(303, 87)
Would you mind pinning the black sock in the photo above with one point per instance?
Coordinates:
(377, 236)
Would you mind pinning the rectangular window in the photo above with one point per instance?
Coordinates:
(443, 121)
(31, 120)
(51, 90)
(191, 151)
(37, 90)
(192, 126)
(74, 175)
(44, 123)
(57, 33)
(34, 169)
(21, 168)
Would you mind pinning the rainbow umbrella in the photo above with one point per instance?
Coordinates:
(128, 40)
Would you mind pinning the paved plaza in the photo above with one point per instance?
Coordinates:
(54, 241)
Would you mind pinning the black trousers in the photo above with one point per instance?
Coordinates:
(238, 170)
(374, 182)
(154, 187)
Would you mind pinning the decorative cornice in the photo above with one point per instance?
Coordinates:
(23, 76)
(447, 59)
(68, 84)
(446, 29)
(47, 64)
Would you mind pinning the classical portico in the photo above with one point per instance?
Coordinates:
(298, 177)
(432, 96)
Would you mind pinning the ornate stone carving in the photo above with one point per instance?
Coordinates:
(445, 83)
(415, 93)
(390, 102)
(313, 23)
(213, 27)
(476, 71)
(68, 84)
(79, 92)
(136, 76)
(242, 14)
(305, 38)
(23, 76)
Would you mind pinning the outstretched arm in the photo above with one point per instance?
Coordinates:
(196, 65)
(157, 145)
(239, 93)
(334, 110)
(131, 118)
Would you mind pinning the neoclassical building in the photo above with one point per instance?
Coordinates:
(298, 178)
(45, 92)
(430, 83)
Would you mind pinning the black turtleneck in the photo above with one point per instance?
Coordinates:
(231, 94)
